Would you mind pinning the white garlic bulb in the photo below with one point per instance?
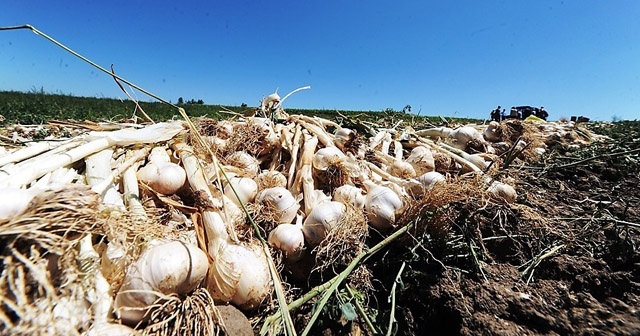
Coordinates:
(428, 180)
(245, 187)
(165, 267)
(402, 169)
(243, 164)
(463, 135)
(289, 239)
(322, 219)
(240, 275)
(348, 194)
(422, 160)
(343, 136)
(281, 202)
(381, 205)
(502, 192)
(326, 156)
(161, 174)
(492, 133)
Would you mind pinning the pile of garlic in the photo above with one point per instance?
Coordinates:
(307, 173)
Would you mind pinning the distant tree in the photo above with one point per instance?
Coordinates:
(200, 102)
(243, 105)
(407, 109)
(180, 101)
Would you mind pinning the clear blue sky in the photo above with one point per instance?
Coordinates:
(450, 58)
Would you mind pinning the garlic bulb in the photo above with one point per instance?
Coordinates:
(382, 205)
(428, 180)
(243, 164)
(402, 169)
(289, 239)
(321, 220)
(348, 194)
(14, 201)
(164, 268)
(240, 275)
(281, 202)
(161, 174)
(463, 135)
(245, 187)
(492, 132)
(326, 156)
(502, 192)
(422, 160)
(343, 136)
(269, 179)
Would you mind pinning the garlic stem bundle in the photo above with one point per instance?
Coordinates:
(160, 174)
(97, 141)
(98, 172)
(166, 267)
(239, 274)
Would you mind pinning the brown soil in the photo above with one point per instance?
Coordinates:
(588, 285)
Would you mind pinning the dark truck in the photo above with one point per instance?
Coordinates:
(522, 112)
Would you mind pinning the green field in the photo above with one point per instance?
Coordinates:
(30, 108)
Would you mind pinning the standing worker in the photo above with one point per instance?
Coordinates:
(495, 114)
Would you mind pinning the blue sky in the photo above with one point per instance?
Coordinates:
(450, 58)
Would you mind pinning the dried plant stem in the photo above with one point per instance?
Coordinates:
(392, 298)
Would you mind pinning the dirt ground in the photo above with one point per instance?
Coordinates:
(563, 261)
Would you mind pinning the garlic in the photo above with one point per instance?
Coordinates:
(243, 164)
(14, 201)
(343, 136)
(165, 267)
(281, 201)
(348, 194)
(246, 189)
(162, 175)
(382, 205)
(321, 220)
(492, 132)
(429, 179)
(402, 169)
(502, 192)
(326, 156)
(463, 135)
(422, 160)
(269, 179)
(289, 239)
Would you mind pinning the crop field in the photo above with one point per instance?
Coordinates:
(274, 221)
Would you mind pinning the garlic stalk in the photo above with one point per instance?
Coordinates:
(98, 171)
(97, 141)
(160, 174)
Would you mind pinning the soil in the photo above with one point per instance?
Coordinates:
(589, 285)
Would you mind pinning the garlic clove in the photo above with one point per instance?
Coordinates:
(321, 220)
(428, 180)
(502, 192)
